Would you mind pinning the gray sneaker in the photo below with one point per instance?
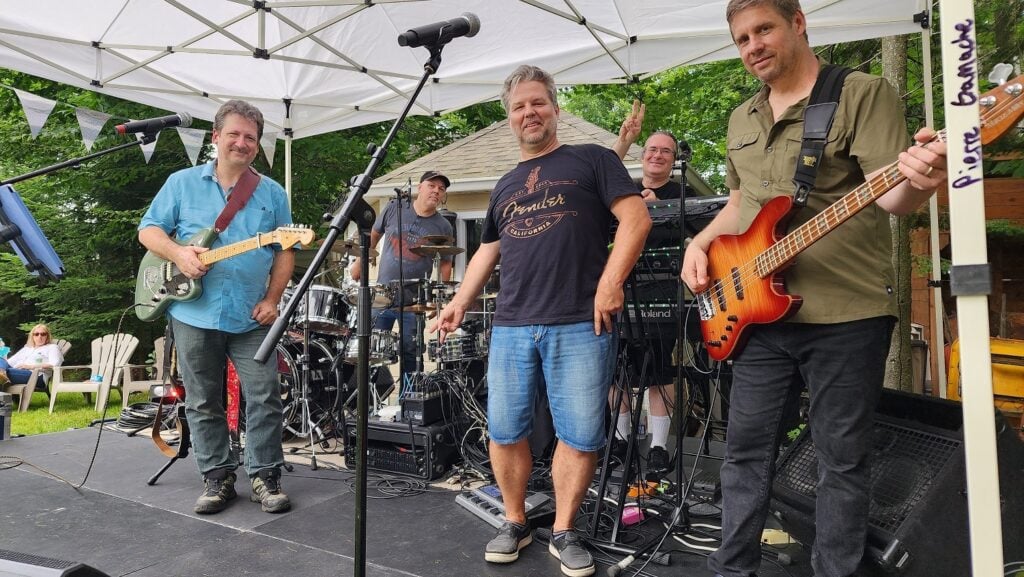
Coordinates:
(569, 549)
(505, 546)
(266, 490)
(220, 488)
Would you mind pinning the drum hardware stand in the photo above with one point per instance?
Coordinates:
(355, 208)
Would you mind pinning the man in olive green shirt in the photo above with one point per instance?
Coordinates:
(836, 344)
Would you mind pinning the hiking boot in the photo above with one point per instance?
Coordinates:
(220, 488)
(658, 463)
(505, 546)
(266, 490)
(568, 548)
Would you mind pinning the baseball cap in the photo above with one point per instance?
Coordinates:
(430, 174)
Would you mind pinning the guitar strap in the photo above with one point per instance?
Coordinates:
(818, 116)
(239, 196)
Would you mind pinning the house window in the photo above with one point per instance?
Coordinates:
(470, 228)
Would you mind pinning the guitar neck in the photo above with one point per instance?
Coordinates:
(235, 248)
(808, 233)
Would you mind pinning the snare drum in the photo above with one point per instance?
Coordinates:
(328, 313)
(457, 348)
(383, 348)
(381, 295)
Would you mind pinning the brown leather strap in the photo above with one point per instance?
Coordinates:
(239, 196)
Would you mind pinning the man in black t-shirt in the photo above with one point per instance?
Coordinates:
(548, 221)
(658, 160)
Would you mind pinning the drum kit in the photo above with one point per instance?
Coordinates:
(316, 358)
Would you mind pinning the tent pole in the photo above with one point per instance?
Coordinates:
(938, 324)
(971, 281)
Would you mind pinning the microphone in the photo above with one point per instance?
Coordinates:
(440, 33)
(151, 125)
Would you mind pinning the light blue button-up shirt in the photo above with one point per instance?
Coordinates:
(189, 202)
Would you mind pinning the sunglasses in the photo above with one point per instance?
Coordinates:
(40, 334)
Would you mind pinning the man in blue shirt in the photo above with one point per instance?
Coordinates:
(232, 316)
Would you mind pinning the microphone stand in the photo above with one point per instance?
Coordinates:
(354, 208)
(147, 138)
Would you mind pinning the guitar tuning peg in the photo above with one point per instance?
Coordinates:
(1000, 73)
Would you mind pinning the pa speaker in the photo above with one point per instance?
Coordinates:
(917, 521)
(26, 565)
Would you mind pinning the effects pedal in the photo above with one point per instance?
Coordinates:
(707, 487)
(485, 502)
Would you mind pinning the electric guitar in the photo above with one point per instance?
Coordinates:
(160, 283)
(744, 271)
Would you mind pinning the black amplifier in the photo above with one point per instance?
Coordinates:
(425, 452)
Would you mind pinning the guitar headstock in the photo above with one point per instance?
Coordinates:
(1001, 108)
(288, 236)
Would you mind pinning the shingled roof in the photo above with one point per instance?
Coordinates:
(475, 162)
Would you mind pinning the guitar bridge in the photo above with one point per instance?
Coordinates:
(704, 306)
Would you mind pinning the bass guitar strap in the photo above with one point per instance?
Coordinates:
(818, 116)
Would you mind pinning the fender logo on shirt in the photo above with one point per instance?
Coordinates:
(534, 224)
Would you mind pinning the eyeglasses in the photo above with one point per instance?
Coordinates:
(40, 334)
(652, 150)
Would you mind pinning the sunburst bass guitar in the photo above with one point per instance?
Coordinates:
(160, 283)
(746, 286)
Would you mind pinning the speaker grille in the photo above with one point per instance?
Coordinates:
(29, 559)
(904, 463)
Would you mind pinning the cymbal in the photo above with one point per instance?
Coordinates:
(442, 250)
(437, 239)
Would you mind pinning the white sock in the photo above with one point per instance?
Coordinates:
(658, 427)
(622, 425)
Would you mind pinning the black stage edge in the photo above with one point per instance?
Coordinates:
(121, 526)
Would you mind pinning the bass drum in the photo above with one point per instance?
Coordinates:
(323, 386)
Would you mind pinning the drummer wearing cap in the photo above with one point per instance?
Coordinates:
(398, 261)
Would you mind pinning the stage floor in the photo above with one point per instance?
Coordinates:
(120, 525)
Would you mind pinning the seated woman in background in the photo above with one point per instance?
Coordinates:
(40, 352)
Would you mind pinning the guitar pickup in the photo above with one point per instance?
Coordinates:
(720, 294)
(737, 283)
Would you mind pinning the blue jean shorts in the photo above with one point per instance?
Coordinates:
(575, 364)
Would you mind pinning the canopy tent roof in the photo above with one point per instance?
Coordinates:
(337, 63)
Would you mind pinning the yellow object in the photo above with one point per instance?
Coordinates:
(1007, 374)
(776, 537)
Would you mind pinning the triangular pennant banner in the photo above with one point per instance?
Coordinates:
(90, 122)
(269, 144)
(193, 139)
(147, 149)
(37, 110)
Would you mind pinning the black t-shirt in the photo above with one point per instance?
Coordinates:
(667, 191)
(552, 217)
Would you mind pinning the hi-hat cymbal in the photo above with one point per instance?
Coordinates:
(419, 309)
(437, 239)
(442, 250)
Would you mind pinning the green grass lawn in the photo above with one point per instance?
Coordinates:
(70, 412)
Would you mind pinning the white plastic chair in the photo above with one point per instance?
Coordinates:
(110, 353)
(129, 385)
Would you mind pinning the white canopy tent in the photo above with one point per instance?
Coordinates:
(337, 63)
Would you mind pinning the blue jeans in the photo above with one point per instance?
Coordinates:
(19, 376)
(574, 363)
(843, 366)
(202, 358)
(385, 320)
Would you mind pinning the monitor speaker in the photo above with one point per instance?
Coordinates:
(27, 565)
(917, 522)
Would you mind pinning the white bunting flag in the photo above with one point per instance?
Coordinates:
(90, 122)
(269, 143)
(193, 139)
(147, 149)
(37, 110)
